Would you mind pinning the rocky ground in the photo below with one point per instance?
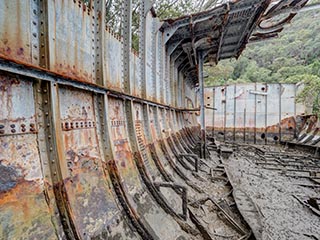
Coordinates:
(276, 190)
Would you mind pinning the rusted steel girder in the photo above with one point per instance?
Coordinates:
(202, 107)
(256, 113)
(90, 149)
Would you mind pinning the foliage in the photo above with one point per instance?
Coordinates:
(291, 58)
(164, 8)
(310, 95)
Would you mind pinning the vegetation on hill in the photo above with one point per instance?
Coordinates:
(164, 9)
(291, 58)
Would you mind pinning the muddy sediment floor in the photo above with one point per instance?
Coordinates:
(276, 190)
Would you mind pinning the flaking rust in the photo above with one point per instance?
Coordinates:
(97, 142)
(16, 33)
(23, 205)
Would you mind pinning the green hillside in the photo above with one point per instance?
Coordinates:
(293, 57)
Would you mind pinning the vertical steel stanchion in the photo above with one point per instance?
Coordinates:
(202, 107)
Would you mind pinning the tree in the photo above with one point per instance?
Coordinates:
(310, 95)
(291, 57)
(164, 8)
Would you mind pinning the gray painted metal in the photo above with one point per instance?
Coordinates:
(89, 148)
(202, 108)
(256, 113)
(126, 46)
(223, 31)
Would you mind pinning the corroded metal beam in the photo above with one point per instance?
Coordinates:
(92, 132)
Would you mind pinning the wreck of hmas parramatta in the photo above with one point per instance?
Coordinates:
(98, 141)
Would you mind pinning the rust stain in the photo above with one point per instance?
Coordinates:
(287, 127)
(25, 210)
(6, 82)
(73, 73)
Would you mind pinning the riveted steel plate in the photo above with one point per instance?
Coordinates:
(71, 29)
(17, 32)
(113, 67)
(254, 113)
(88, 188)
(139, 199)
(151, 160)
(150, 52)
(143, 141)
(25, 212)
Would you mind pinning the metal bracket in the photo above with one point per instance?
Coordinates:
(173, 47)
(126, 47)
(183, 192)
(258, 93)
(148, 4)
(195, 157)
(168, 33)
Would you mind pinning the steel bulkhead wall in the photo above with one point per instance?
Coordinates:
(260, 117)
(72, 121)
(134, 174)
(176, 134)
(180, 135)
(183, 132)
(128, 159)
(112, 69)
(72, 39)
(26, 187)
(155, 147)
(166, 197)
(152, 126)
(180, 168)
(88, 188)
(111, 169)
(165, 158)
(19, 41)
(168, 158)
(141, 121)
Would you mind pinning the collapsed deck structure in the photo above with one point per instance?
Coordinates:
(100, 142)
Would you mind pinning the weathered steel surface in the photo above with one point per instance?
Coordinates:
(71, 28)
(308, 135)
(150, 52)
(155, 148)
(144, 139)
(25, 209)
(257, 113)
(168, 196)
(19, 34)
(88, 189)
(139, 200)
(112, 68)
(91, 146)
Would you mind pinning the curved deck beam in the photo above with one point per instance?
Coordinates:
(98, 141)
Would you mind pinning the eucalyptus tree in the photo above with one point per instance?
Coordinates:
(164, 9)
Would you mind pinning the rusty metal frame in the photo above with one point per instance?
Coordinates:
(22, 70)
(152, 149)
(183, 192)
(127, 40)
(161, 67)
(99, 10)
(56, 154)
(50, 174)
(173, 147)
(142, 48)
(151, 186)
(114, 172)
(202, 106)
